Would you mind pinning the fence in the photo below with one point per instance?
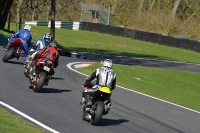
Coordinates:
(58, 24)
(126, 32)
(143, 36)
(91, 12)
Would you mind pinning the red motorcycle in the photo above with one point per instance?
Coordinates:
(41, 75)
(14, 50)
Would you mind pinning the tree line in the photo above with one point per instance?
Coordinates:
(169, 17)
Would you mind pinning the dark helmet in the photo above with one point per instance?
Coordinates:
(53, 44)
(47, 36)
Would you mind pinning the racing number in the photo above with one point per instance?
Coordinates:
(25, 34)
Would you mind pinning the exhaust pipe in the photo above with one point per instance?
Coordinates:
(109, 105)
(107, 108)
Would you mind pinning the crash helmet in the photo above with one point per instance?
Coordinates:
(53, 44)
(107, 63)
(47, 37)
(27, 27)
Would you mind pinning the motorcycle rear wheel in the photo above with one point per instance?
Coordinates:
(40, 82)
(9, 54)
(98, 114)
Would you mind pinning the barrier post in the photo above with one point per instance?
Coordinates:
(20, 22)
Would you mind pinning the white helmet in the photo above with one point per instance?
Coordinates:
(27, 27)
(107, 63)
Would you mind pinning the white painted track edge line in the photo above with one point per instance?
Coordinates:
(28, 117)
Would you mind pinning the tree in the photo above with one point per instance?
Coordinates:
(175, 8)
(53, 7)
(5, 8)
(152, 4)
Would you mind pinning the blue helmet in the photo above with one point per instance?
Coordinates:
(47, 36)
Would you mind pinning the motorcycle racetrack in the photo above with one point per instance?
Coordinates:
(57, 108)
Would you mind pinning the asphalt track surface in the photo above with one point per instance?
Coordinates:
(57, 106)
(180, 66)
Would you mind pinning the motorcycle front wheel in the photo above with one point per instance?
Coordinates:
(40, 82)
(9, 54)
(98, 114)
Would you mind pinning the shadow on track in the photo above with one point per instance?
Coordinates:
(52, 90)
(57, 78)
(111, 122)
(15, 62)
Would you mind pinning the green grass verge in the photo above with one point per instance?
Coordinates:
(107, 44)
(179, 87)
(9, 123)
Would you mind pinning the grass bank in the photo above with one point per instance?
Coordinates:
(107, 44)
(9, 123)
(174, 86)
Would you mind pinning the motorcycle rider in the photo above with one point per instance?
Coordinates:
(105, 77)
(48, 53)
(40, 44)
(37, 46)
(24, 35)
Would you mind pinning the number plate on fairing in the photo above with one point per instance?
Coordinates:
(46, 68)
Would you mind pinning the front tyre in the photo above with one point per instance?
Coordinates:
(40, 82)
(98, 114)
(9, 54)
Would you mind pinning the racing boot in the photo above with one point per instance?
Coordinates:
(6, 48)
(27, 60)
(88, 100)
(26, 72)
(30, 86)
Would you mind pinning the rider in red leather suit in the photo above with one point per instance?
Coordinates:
(49, 54)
